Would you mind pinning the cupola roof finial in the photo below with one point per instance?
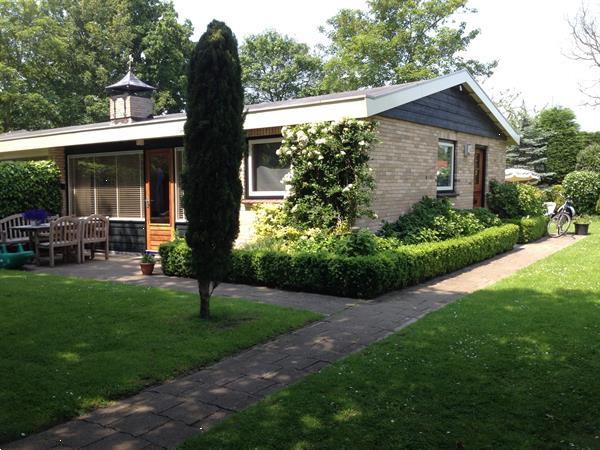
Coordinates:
(129, 83)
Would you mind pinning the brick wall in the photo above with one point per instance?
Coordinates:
(404, 166)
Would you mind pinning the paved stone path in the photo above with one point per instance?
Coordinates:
(164, 416)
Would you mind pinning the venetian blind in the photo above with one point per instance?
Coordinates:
(178, 171)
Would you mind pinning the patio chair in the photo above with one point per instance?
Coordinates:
(94, 230)
(8, 235)
(64, 235)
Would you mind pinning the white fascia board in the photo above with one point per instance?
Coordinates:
(110, 133)
(378, 105)
(35, 153)
(318, 112)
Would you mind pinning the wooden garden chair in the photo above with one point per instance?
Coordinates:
(8, 234)
(63, 235)
(94, 230)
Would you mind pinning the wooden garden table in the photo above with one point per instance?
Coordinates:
(34, 232)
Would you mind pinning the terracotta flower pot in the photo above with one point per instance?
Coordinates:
(147, 268)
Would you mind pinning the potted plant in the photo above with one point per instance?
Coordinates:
(582, 224)
(147, 263)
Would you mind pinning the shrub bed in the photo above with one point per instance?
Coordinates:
(27, 185)
(530, 228)
(357, 276)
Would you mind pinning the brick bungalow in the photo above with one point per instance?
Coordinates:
(442, 137)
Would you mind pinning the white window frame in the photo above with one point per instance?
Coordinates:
(251, 192)
(178, 184)
(452, 146)
(100, 154)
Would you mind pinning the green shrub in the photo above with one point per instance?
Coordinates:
(434, 220)
(356, 276)
(511, 200)
(29, 184)
(555, 194)
(176, 258)
(589, 158)
(530, 228)
(583, 189)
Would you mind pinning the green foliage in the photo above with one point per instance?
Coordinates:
(531, 152)
(29, 184)
(515, 200)
(57, 56)
(564, 143)
(147, 258)
(371, 275)
(214, 146)
(589, 158)
(276, 67)
(432, 220)
(530, 228)
(555, 194)
(398, 41)
(176, 258)
(583, 189)
(330, 183)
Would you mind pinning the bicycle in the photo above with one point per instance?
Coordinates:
(560, 221)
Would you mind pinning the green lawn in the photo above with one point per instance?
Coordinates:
(515, 366)
(68, 345)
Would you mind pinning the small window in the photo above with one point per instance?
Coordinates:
(445, 166)
(179, 156)
(265, 170)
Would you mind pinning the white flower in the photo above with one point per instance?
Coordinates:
(347, 188)
(321, 141)
(362, 143)
(301, 136)
(343, 153)
(312, 130)
(320, 157)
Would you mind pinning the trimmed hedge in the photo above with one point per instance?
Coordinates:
(530, 228)
(29, 185)
(359, 276)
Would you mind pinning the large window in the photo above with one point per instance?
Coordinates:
(110, 184)
(265, 170)
(445, 166)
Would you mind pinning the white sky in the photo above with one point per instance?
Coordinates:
(529, 38)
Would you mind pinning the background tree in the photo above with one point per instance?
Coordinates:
(214, 145)
(585, 32)
(56, 57)
(564, 143)
(531, 153)
(276, 67)
(397, 41)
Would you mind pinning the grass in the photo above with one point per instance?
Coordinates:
(69, 345)
(514, 366)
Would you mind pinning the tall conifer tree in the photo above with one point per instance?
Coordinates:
(214, 146)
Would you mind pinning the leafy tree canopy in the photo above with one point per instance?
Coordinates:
(564, 143)
(56, 57)
(397, 41)
(276, 67)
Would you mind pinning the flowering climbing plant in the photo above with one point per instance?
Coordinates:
(330, 182)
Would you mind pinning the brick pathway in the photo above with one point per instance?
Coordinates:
(164, 416)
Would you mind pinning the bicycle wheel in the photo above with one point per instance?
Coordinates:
(559, 225)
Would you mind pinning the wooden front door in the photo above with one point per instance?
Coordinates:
(479, 178)
(160, 210)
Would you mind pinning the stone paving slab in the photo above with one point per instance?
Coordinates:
(161, 417)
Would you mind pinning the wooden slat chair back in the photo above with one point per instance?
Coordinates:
(94, 230)
(8, 234)
(64, 234)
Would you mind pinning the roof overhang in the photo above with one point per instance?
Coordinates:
(358, 104)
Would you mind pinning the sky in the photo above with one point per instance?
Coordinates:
(530, 39)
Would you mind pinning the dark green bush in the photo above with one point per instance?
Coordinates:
(434, 220)
(511, 200)
(176, 258)
(29, 185)
(530, 228)
(583, 189)
(358, 276)
(589, 158)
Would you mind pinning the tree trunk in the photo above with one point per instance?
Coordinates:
(204, 291)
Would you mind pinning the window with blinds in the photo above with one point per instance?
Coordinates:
(179, 191)
(107, 184)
